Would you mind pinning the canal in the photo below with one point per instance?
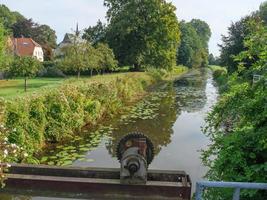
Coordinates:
(172, 117)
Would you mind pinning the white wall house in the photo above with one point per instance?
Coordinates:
(28, 47)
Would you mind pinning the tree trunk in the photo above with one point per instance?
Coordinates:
(79, 74)
(25, 84)
(91, 72)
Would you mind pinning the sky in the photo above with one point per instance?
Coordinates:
(62, 15)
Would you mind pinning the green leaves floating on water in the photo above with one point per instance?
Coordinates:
(66, 155)
(145, 110)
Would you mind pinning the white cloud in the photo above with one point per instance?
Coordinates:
(62, 15)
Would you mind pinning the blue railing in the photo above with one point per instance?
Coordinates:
(200, 186)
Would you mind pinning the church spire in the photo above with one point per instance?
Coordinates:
(77, 32)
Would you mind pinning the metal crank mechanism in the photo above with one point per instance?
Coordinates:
(135, 152)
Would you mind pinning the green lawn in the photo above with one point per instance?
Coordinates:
(15, 87)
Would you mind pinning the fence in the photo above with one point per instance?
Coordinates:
(200, 186)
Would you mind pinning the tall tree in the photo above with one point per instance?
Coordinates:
(24, 28)
(9, 18)
(95, 34)
(143, 32)
(189, 52)
(263, 12)
(203, 31)
(204, 34)
(233, 43)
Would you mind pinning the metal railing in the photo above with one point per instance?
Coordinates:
(200, 186)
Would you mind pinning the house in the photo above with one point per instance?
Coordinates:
(28, 47)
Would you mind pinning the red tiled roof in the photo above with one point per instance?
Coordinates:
(24, 46)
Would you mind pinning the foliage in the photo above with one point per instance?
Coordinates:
(51, 70)
(213, 60)
(107, 59)
(203, 31)
(60, 113)
(220, 75)
(190, 45)
(9, 152)
(233, 43)
(95, 34)
(5, 54)
(26, 67)
(193, 51)
(237, 125)
(79, 56)
(9, 18)
(163, 74)
(143, 33)
(82, 56)
(263, 12)
(23, 28)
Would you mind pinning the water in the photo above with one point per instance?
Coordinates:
(178, 115)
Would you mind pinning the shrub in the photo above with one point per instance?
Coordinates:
(59, 114)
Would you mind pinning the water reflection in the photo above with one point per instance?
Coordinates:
(159, 129)
(190, 91)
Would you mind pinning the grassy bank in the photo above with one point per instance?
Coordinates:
(15, 87)
(220, 76)
(60, 113)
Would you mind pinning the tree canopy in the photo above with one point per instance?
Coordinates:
(193, 51)
(95, 34)
(26, 67)
(82, 56)
(233, 43)
(8, 18)
(5, 54)
(78, 57)
(106, 60)
(143, 33)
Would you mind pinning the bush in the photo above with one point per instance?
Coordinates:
(220, 76)
(57, 115)
(51, 70)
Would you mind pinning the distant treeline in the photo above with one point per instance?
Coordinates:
(140, 33)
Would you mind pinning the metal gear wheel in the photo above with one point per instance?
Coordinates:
(135, 135)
